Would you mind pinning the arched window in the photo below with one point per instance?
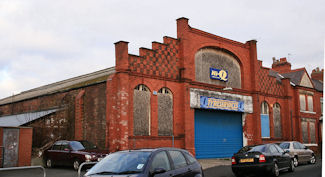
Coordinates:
(265, 120)
(219, 59)
(277, 120)
(165, 112)
(141, 110)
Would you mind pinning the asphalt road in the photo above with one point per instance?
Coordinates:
(219, 171)
(304, 170)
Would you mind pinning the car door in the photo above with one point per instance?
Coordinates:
(193, 165)
(179, 163)
(305, 153)
(299, 150)
(53, 153)
(65, 157)
(161, 160)
(285, 158)
(276, 155)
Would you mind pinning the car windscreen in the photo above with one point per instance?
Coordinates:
(130, 162)
(76, 146)
(284, 145)
(88, 145)
(260, 148)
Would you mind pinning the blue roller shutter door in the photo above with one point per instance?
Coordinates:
(218, 134)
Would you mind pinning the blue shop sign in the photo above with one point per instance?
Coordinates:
(219, 74)
(221, 104)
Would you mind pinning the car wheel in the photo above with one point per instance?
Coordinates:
(76, 164)
(292, 166)
(49, 163)
(275, 170)
(295, 161)
(312, 159)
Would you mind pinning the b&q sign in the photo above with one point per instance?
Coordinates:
(216, 103)
(219, 74)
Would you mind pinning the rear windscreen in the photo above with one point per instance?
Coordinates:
(260, 148)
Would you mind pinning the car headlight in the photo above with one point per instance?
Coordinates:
(88, 157)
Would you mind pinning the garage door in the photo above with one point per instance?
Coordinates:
(218, 134)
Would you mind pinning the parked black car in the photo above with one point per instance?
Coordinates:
(72, 153)
(160, 162)
(261, 159)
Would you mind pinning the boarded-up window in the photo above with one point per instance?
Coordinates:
(165, 112)
(265, 120)
(141, 110)
(312, 132)
(304, 127)
(321, 105)
(310, 103)
(302, 102)
(308, 130)
(277, 121)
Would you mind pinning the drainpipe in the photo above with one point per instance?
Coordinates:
(292, 137)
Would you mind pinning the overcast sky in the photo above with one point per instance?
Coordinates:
(44, 41)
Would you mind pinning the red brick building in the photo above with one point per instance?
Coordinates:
(199, 91)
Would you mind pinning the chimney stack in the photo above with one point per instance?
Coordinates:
(317, 74)
(281, 66)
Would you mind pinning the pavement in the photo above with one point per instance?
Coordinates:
(209, 163)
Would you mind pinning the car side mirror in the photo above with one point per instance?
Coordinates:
(306, 147)
(67, 149)
(286, 152)
(158, 171)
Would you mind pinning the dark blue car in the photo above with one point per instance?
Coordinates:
(160, 162)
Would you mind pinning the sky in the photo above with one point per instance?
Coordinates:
(45, 41)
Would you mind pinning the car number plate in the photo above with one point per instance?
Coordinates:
(246, 160)
(99, 159)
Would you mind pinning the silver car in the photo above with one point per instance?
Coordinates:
(299, 152)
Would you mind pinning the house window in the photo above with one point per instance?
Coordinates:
(265, 120)
(141, 110)
(310, 103)
(321, 105)
(302, 102)
(165, 112)
(277, 120)
(306, 102)
(308, 131)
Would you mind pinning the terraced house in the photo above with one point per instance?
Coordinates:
(198, 91)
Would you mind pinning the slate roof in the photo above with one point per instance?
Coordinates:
(275, 74)
(21, 119)
(318, 85)
(294, 76)
(76, 82)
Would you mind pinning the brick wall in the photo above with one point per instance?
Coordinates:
(94, 126)
(171, 64)
(25, 146)
(93, 112)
